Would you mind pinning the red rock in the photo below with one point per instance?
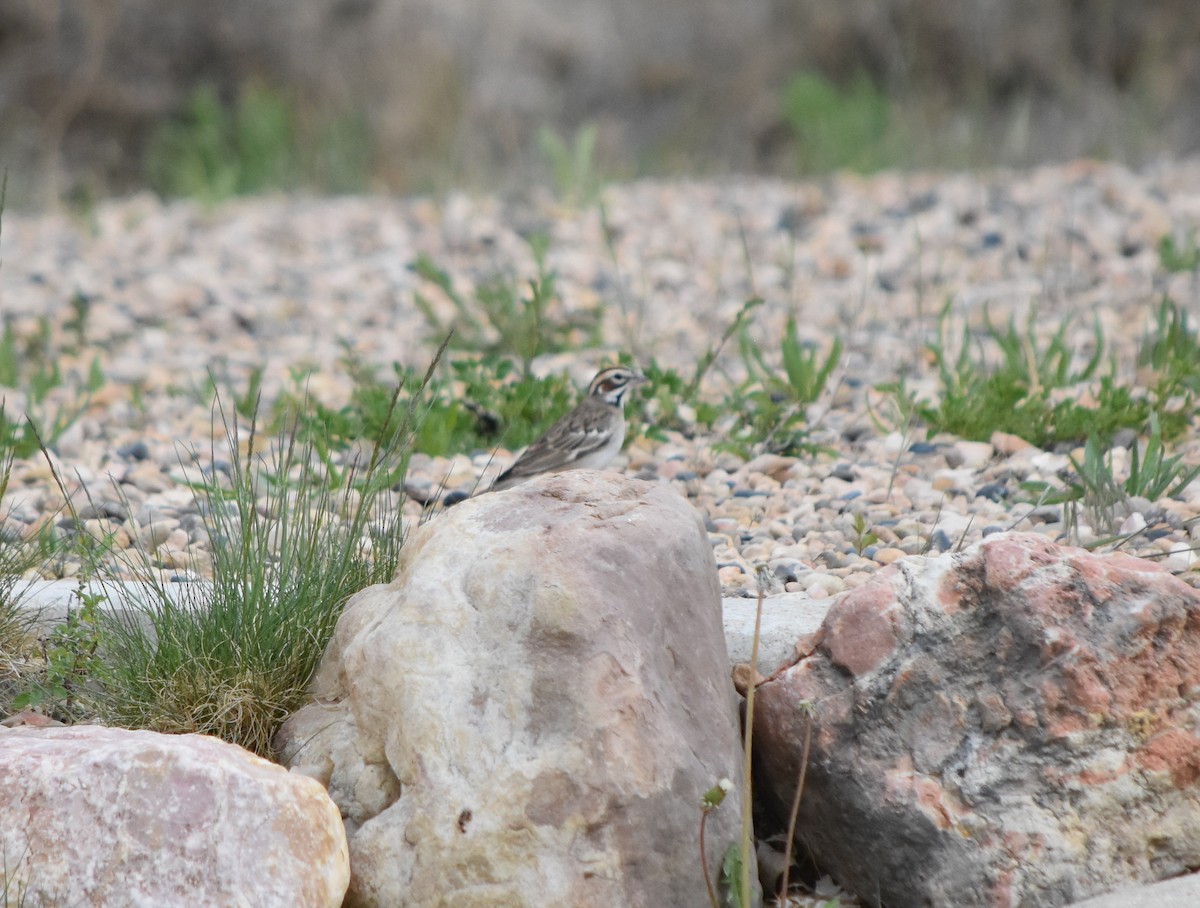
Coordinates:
(1016, 724)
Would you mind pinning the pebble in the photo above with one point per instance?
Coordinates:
(974, 455)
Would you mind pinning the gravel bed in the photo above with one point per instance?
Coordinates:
(176, 292)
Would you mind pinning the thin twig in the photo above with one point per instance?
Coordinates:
(789, 844)
(748, 748)
(712, 893)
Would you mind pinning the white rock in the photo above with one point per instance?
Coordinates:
(1134, 523)
(94, 816)
(531, 712)
(973, 455)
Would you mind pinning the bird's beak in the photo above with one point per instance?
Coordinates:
(639, 379)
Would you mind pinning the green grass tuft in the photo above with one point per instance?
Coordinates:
(1030, 388)
(839, 127)
(506, 319)
(293, 533)
(215, 151)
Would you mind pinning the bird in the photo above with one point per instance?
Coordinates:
(587, 438)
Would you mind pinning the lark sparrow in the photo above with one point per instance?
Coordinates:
(587, 438)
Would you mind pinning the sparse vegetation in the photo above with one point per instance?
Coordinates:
(256, 144)
(839, 127)
(1103, 493)
(1179, 255)
(774, 402)
(294, 534)
(63, 680)
(48, 380)
(506, 320)
(572, 165)
(1037, 389)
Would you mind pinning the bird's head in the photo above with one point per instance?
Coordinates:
(610, 384)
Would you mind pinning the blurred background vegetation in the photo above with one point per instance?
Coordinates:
(212, 98)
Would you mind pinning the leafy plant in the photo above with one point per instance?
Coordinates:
(215, 151)
(1179, 257)
(17, 555)
(503, 320)
(710, 801)
(69, 662)
(839, 126)
(1152, 474)
(772, 402)
(1172, 351)
(572, 167)
(504, 405)
(1018, 395)
(669, 394)
(53, 401)
(862, 537)
(735, 881)
(481, 402)
(1103, 495)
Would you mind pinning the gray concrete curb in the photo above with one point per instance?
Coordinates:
(786, 617)
(47, 602)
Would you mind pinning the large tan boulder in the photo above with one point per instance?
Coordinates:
(94, 816)
(531, 712)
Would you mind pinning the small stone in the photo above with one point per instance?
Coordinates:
(137, 450)
(779, 530)
(940, 540)
(103, 509)
(827, 583)
(1132, 524)
(1008, 444)
(992, 491)
(972, 455)
(888, 555)
(731, 573)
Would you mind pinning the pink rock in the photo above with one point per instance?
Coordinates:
(1016, 724)
(32, 718)
(94, 816)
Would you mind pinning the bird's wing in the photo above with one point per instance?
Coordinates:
(559, 448)
(566, 442)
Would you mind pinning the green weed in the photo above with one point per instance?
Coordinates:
(1178, 257)
(1103, 495)
(1022, 392)
(215, 151)
(861, 537)
(17, 556)
(505, 320)
(839, 127)
(669, 402)
(773, 402)
(53, 400)
(504, 404)
(572, 166)
(1172, 351)
(475, 404)
(69, 663)
(672, 402)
